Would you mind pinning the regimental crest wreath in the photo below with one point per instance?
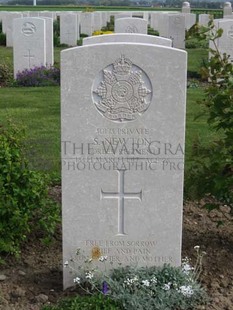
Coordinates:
(122, 92)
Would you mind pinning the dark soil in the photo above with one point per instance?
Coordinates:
(36, 278)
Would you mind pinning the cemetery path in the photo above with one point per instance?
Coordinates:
(36, 278)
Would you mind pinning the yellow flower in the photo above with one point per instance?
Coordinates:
(95, 253)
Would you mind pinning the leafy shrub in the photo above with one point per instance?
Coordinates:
(24, 202)
(38, 76)
(155, 288)
(191, 39)
(94, 302)
(2, 39)
(80, 42)
(110, 25)
(142, 288)
(83, 35)
(212, 170)
(56, 41)
(56, 28)
(152, 32)
(6, 75)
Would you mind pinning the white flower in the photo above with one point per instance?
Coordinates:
(146, 282)
(131, 281)
(103, 258)
(186, 268)
(167, 286)
(89, 275)
(77, 280)
(66, 264)
(197, 247)
(186, 290)
(154, 280)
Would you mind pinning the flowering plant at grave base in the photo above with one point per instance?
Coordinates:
(38, 76)
(159, 288)
(100, 32)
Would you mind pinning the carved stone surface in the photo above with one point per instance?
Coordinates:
(124, 37)
(68, 29)
(124, 93)
(29, 48)
(225, 42)
(131, 25)
(28, 29)
(123, 123)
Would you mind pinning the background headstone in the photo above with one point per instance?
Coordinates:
(186, 7)
(49, 41)
(68, 29)
(203, 19)
(130, 25)
(122, 15)
(29, 48)
(124, 37)
(123, 123)
(8, 26)
(86, 23)
(173, 27)
(227, 9)
(225, 42)
(190, 20)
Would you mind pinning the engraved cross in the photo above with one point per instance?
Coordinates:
(29, 56)
(121, 195)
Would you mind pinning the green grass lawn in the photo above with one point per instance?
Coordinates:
(38, 109)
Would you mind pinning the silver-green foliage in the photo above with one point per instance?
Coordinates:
(157, 288)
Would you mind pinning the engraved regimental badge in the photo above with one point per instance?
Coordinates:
(122, 92)
(28, 29)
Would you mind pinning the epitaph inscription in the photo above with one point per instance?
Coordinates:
(121, 195)
(124, 93)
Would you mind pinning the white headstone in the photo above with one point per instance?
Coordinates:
(130, 25)
(97, 21)
(29, 43)
(186, 7)
(122, 15)
(34, 14)
(228, 16)
(104, 19)
(8, 26)
(227, 9)
(49, 41)
(225, 42)
(68, 29)
(154, 20)
(124, 37)
(86, 23)
(146, 16)
(190, 20)
(203, 19)
(173, 27)
(123, 123)
(47, 14)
